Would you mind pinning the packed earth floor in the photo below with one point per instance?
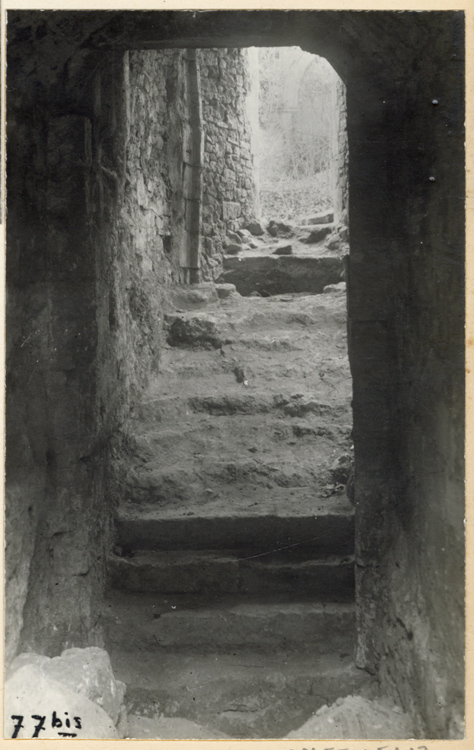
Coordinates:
(230, 610)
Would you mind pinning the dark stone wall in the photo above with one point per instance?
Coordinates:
(406, 313)
(53, 495)
(90, 250)
(77, 356)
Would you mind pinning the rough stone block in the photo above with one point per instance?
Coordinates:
(225, 290)
(280, 229)
(234, 237)
(232, 248)
(325, 217)
(198, 330)
(244, 234)
(255, 227)
(317, 233)
(86, 671)
(30, 692)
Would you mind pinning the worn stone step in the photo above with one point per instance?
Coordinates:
(206, 479)
(194, 571)
(245, 694)
(309, 368)
(238, 437)
(279, 274)
(204, 623)
(317, 316)
(233, 521)
(236, 400)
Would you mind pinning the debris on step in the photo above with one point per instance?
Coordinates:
(233, 248)
(244, 234)
(240, 375)
(234, 237)
(317, 233)
(334, 242)
(326, 217)
(196, 330)
(343, 232)
(342, 467)
(280, 229)
(224, 291)
(255, 227)
(340, 287)
(357, 718)
(283, 250)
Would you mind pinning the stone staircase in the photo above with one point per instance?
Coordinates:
(231, 587)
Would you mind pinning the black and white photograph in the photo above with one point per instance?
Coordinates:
(235, 374)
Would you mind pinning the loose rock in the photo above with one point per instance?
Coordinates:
(224, 291)
(234, 237)
(233, 248)
(317, 233)
(86, 671)
(30, 692)
(343, 233)
(198, 330)
(255, 228)
(280, 229)
(340, 287)
(244, 234)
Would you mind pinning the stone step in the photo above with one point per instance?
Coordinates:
(236, 400)
(316, 316)
(288, 518)
(244, 694)
(200, 440)
(279, 274)
(195, 483)
(194, 571)
(308, 368)
(209, 623)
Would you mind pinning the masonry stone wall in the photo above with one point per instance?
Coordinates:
(228, 189)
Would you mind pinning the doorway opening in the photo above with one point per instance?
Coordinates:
(234, 562)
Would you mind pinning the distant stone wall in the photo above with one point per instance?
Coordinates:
(228, 178)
